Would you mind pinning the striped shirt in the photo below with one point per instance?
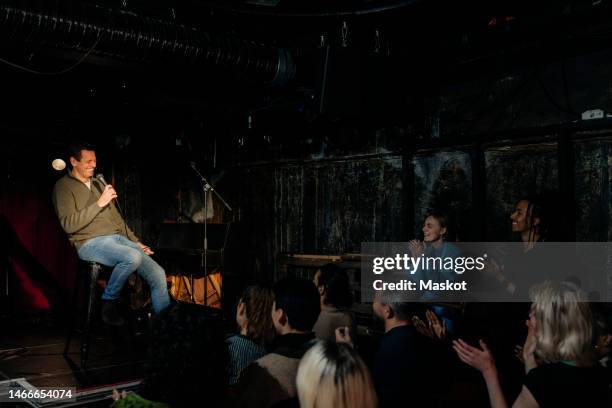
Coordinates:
(243, 351)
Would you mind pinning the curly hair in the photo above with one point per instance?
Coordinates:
(258, 302)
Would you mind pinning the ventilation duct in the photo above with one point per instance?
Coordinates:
(127, 36)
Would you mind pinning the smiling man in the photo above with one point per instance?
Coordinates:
(96, 229)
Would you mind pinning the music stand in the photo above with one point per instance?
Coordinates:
(206, 187)
(181, 243)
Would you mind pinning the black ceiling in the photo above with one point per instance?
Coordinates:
(114, 58)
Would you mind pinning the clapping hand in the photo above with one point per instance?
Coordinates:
(479, 358)
(528, 351)
(416, 247)
(434, 328)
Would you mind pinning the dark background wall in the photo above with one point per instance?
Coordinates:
(463, 116)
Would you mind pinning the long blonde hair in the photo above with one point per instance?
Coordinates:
(333, 375)
(564, 324)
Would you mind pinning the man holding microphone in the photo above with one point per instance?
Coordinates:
(96, 229)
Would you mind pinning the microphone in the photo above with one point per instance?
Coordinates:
(100, 178)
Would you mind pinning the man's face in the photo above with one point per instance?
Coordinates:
(520, 217)
(85, 167)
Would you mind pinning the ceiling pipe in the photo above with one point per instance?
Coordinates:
(127, 36)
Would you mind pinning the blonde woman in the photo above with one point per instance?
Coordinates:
(559, 363)
(333, 375)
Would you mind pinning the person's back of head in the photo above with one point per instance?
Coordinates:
(563, 323)
(296, 305)
(403, 310)
(257, 301)
(187, 358)
(391, 306)
(333, 375)
(336, 286)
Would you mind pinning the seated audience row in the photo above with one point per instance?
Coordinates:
(276, 361)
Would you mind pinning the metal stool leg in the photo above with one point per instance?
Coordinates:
(85, 338)
(75, 305)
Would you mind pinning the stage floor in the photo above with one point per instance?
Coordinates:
(34, 350)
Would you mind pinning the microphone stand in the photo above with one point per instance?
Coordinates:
(206, 187)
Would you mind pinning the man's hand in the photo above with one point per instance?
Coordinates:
(107, 196)
(146, 249)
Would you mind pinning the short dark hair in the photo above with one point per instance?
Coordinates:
(299, 299)
(335, 280)
(75, 148)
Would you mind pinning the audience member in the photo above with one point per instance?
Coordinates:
(436, 230)
(602, 317)
(558, 354)
(270, 380)
(404, 362)
(256, 330)
(333, 375)
(336, 300)
(187, 358)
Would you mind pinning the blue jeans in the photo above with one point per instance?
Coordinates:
(126, 257)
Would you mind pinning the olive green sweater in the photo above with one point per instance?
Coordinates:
(79, 215)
